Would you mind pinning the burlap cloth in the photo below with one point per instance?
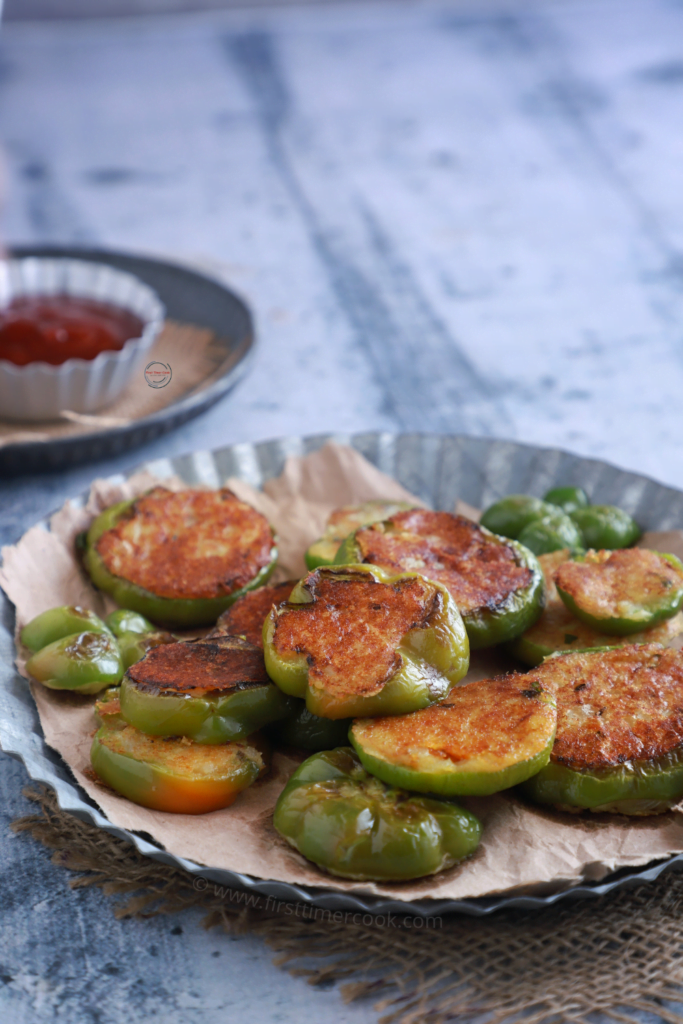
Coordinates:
(196, 358)
(615, 956)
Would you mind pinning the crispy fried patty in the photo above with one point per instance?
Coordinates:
(558, 629)
(188, 544)
(247, 615)
(613, 584)
(351, 629)
(219, 665)
(615, 706)
(478, 570)
(490, 723)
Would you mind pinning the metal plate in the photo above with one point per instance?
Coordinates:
(189, 297)
(438, 469)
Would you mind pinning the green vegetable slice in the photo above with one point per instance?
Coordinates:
(357, 640)
(180, 558)
(84, 662)
(619, 742)
(57, 623)
(509, 516)
(569, 499)
(552, 532)
(496, 583)
(557, 630)
(606, 526)
(173, 775)
(622, 592)
(354, 826)
(212, 690)
(484, 736)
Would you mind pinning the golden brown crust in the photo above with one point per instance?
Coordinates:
(182, 756)
(478, 571)
(350, 631)
(491, 723)
(247, 615)
(188, 544)
(611, 586)
(614, 706)
(218, 666)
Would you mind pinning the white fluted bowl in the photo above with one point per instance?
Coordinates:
(40, 391)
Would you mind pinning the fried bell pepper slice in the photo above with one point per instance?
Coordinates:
(354, 826)
(346, 520)
(302, 729)
(558, 630)
(247, 615)
(84, 662)
(622, 592)
(551, 532)
(212, 690)
(509, 516)
(171, 774)
(496, 583)
(606, 526)
(180, 558)
(358, 640)
(619, 741)
(485, 736)
(56, 623)
(569, 499)
(124, 621)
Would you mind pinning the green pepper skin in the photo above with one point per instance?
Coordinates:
(124, 621)
(486, 626)
(84, 662)
(606, 527)
(310, 732)
(203, 719)
(639, 788)
(551, 532)
(431, 660)
(509, 516)
(569, 499)
(134, 646)
(57, 623)
(354, 826)
(163, 611)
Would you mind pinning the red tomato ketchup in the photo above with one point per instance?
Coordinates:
(52, 329)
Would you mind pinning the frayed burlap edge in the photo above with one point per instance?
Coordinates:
(619, 955)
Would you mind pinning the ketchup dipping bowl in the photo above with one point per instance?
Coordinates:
(72, 335)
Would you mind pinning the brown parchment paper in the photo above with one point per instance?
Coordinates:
(523, 848)
(195, 358)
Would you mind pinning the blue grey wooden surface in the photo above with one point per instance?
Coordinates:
(446, 217)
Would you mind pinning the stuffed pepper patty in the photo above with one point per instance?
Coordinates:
(180, 558)
(361, 641)
(497, 584)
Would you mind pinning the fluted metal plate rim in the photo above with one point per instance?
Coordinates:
(439, 469)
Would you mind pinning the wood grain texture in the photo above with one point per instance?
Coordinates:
(447, 217)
